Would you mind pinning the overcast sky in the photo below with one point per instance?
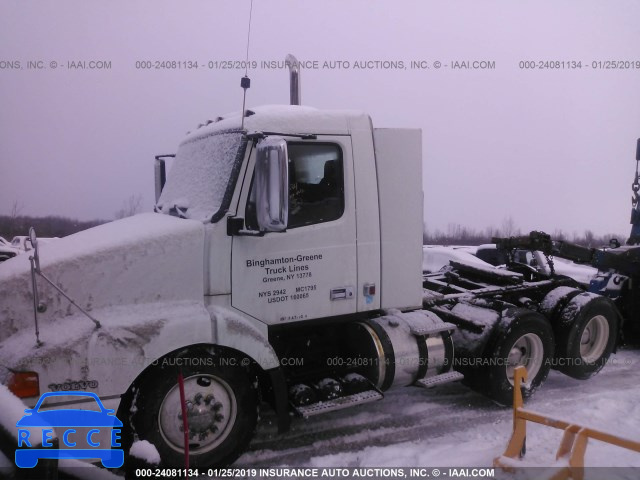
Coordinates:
(551, 148)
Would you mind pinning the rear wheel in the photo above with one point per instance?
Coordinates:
(527, 351)
(526, 340)
(221, 407)
(586, 333)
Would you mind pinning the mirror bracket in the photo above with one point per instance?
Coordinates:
(235, 228)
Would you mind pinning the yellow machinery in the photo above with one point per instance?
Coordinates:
(574, 441)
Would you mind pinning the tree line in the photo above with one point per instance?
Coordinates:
(57, 226)
(457, 234)
(50, 226)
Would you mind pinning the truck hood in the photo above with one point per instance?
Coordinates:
(141, 260)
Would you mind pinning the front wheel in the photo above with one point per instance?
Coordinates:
(525, 339)
(221, 407)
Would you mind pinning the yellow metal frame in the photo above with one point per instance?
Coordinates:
(574, 441)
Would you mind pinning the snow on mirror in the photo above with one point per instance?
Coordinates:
(198, 180)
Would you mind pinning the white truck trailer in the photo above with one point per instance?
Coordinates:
(281, 269)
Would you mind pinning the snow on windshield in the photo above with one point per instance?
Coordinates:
(197, 183)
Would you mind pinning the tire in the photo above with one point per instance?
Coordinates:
(554, 301)
(586, 335)
(223, 396)
(526, 339)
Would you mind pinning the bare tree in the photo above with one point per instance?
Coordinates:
(130, 207)
(509, 228)
(589, 237)
(558, 234)
(491, 232)
(14, 222)
(16, 209)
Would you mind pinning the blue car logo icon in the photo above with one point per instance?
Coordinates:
(78, 426)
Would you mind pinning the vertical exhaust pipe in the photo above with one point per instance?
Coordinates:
(295, 93)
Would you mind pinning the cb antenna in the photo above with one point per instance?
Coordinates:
(635, 186)
(245, 82)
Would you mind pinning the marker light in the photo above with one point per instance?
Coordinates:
(24, 384)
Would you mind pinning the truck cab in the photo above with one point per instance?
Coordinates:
(284, 240)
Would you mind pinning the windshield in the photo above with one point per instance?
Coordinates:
(200, 183)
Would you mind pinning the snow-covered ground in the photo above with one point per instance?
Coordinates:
(452, 426)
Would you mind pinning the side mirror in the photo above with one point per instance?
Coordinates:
(33, 239)
(272, 184)
(160, 175)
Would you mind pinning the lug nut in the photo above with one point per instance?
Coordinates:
(198, 398)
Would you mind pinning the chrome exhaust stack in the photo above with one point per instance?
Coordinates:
(295, 93)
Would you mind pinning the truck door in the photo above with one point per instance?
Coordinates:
(309, 270)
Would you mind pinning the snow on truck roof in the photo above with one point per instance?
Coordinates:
(286, 119)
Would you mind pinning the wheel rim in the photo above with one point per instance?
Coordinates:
(211, 413)
(526, 351)
(594, 339)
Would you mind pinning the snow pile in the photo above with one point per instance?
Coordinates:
(145, 451)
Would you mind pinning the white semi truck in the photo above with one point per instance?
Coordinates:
(281, 269)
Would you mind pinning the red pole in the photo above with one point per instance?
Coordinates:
(185, 422)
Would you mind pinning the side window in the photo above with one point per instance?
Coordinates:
(316, 185)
